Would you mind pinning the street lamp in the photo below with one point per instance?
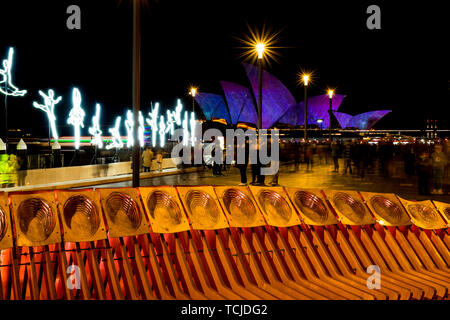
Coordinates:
(330, 94)
(193, 92)
(320, 121)
(305, 79)
(260, 51)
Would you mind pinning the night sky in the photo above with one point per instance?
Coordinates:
(402, 67)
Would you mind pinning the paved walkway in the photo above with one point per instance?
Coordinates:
(321, 176)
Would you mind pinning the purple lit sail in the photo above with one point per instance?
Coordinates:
(276, 98)
(367, 120)
(240, 103)
(318, 107)
(213, 106)
(343, 118)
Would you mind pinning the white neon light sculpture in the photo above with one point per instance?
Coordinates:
(192, 124)
(162, 131)
(141, 130)
(153, 122)
(6, 85)
(76, 116)
(95, 131)
(49, 108)
(116, 138)
(129, 124)
(185, 129)
(177, 113)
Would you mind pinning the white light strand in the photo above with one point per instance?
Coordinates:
(129, 124)
(185, 129)
(116, 138)
(162, 132)
(153, 123)
(49, 108)
(6, 85)
(95, 131)
(76, 116)
(192, 133)
(141, 130)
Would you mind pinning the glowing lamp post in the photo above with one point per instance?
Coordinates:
(330, 94)
(260, 51)
(193, 92)
(305, 78)
(320, 121)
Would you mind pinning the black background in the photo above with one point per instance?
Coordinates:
(402, 67)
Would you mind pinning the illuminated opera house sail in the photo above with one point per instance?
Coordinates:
(278, 105)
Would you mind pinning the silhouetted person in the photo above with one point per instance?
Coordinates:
(348, 153)
(335, 156)
(423, 167)
(243, 166)
(438, 163)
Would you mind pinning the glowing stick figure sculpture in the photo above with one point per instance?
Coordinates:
(193, 123)
(116, 138)
(6, 85)
(141, 130)
(162, 131)
(129, 124)
(49, 108)
(95, 131)
(185, 129)
(76, 116)
(153, 122)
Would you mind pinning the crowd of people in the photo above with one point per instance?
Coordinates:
(425, 164)
(429, 162)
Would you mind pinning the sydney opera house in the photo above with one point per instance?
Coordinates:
(278, 105)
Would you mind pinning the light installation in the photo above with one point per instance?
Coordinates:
(76, 116)
(162, 131)
(95, 131)
(185, 129)
(129, 125)
(116, 138)
(49, 108)
(160, 125)
(193, 122)
(6, 85)
(141, 130)
(153, 122)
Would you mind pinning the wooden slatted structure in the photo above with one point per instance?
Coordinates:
(222, 243)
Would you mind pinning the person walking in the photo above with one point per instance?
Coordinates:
(348, 154)
(423, 165)
(438, 163)
(159, 159)
(308, 156)
(147, 158)
(244, 147)
(335, 155)
(22, 171)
